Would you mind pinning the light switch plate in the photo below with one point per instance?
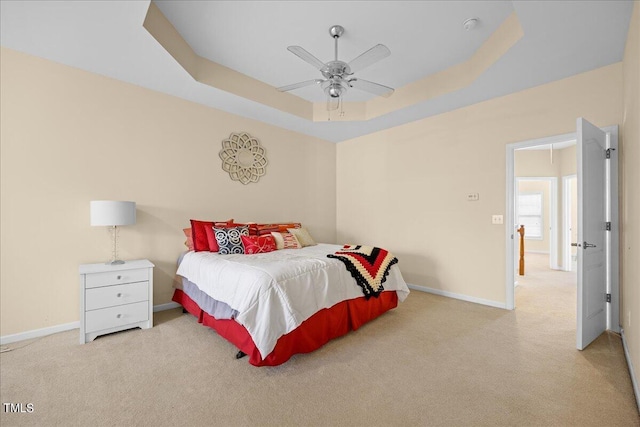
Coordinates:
(473, 197)
(497, 219)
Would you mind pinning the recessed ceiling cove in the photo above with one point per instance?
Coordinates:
(188, 34)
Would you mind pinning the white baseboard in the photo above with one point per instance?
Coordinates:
(458, 296)
(632, 373)
(167, 306)
(37, 333)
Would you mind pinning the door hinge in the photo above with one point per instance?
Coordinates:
(608, 297)
(607, 226)
(608, 152)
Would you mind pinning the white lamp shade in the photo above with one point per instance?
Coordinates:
(110, 213)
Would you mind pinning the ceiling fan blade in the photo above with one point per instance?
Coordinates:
(306, 56)
(298, 85)
(371, 87)
(374, 54)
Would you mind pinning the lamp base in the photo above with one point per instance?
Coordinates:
(115, 262)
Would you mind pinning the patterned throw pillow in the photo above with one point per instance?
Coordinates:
(258, 244)
(211, 235)
(290, 241)
(230, 240)
(303, 236)
(199, 234)
(286, 241)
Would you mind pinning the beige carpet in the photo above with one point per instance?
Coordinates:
(432, 361)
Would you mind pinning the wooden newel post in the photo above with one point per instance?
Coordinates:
(521, 232)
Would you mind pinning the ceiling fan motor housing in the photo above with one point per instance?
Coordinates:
(336, 68)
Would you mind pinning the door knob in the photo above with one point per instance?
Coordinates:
(588, 245)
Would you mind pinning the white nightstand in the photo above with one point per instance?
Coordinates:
(115, 297)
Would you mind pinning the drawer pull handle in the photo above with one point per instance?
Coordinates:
(119, 277)
(119, 295)
(119, 316)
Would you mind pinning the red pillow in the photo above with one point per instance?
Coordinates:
(258, 244)
(262, 229)
(283, 227)
(211, 238)
(199, 234)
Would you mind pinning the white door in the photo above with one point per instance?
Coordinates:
(591, 244)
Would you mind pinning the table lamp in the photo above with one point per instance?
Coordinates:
(113, 214)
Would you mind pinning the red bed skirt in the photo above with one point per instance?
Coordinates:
(312, 334)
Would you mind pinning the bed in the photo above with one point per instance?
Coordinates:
(277, 304)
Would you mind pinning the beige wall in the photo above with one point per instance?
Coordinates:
(542, 163)
(405, 188)
(567, 159)
(69, 136)
(630, 193)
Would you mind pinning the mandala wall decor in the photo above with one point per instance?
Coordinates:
(243, 157)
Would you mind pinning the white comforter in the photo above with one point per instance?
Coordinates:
(275, 292)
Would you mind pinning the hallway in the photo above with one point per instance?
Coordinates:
(548, 291)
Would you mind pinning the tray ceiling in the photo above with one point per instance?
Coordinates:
(559, 40)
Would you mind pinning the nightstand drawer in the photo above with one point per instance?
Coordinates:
(109, 296)
(116, 316)
(117, 277)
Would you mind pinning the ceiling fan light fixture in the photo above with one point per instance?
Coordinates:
(333, 103)
(335, 87)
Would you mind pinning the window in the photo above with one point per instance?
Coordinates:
(530, 214)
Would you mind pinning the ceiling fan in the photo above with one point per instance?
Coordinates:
(338, 74)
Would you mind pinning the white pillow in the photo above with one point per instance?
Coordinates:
(279, 240)
(303, 236)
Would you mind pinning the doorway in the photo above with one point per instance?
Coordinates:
(544, 286)
(543, 151)
(612, 285)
